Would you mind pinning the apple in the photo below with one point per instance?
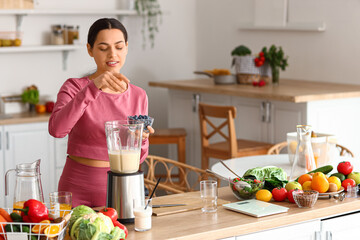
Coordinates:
(355, 176)
(293, 185)
(49, 106)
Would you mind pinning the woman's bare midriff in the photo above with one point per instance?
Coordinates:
(90, 162)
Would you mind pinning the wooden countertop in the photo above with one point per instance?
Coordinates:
(26, 117)
(226, 223)
(296, 91)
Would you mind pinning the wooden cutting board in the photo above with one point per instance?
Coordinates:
(191, 199)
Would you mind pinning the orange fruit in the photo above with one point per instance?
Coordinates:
(264, 195)
(320, 183)
(52, 231)
(303, 178)
(40, 227)
(336, 180)
(307, 185)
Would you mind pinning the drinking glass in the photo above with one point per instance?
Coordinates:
(209, 194)
(60, 203)
(142, 215)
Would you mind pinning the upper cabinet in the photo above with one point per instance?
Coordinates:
(290, 15)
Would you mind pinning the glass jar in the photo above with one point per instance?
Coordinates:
(304, 157)
(57, 35)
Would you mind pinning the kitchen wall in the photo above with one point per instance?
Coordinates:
(329, 56)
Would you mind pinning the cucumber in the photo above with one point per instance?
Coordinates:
(324, 169)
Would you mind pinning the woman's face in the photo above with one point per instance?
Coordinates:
(109, 50)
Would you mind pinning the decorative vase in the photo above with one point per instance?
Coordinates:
(275, 71)
(32, 108)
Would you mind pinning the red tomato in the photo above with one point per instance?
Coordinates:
(348, 182)
(256, 60)
(110, 212)
(254, 83)
(260, 63)
(49, 106)
(117, 224)
(261, 54)
(345, 167)
(279, 194)
(262, 58)
(290, 195)
(262, 83)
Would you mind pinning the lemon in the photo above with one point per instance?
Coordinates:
(264, 195)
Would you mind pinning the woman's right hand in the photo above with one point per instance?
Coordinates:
(116, 82)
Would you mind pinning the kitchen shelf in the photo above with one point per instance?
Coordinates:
(316, 27)
(20, 13)
(65, 49)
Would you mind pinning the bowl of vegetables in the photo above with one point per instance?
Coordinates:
(245, 188)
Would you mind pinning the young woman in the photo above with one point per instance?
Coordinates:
(84, 105)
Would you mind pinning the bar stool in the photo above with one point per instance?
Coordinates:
(171, 136)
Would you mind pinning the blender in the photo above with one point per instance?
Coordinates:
(125, 183)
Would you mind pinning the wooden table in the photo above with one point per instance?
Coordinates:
(295, 91)
(225, 223)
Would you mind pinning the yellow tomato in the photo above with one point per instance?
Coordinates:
(264, 195)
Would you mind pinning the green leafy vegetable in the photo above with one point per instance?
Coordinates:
(78, 212)
(274, 176)
(241, 51)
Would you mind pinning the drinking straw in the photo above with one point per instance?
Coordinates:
(151, 195)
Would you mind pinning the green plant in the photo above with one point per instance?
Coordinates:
(151, 14)
(30, 95)
(275, 57)
(241, 51)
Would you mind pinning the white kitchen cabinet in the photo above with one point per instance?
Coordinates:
(302, 231)
(342, 227)
(60, 157)
(2, 182)
(25, 143)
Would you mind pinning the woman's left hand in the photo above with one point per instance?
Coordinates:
(147, 134)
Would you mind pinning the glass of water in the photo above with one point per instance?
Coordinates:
(209, 194)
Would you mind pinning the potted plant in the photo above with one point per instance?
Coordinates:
(151, 14)
(276, 58)
(31, 96)
(246, 70)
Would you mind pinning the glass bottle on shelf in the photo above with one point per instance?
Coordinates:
(304, 160)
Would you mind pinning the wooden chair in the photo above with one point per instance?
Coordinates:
(276, 149)
(190, 181)
(231, 147)
(171, 136)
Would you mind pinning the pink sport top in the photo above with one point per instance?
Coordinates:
(81, 111)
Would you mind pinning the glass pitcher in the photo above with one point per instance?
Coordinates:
(27, 183)
(304, 160)
(124, 145)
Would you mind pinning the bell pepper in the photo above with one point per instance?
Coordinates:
(34, 211)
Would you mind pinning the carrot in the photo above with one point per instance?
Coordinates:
(5, 215)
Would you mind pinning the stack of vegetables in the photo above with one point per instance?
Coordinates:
(86, 224)
(33, 219)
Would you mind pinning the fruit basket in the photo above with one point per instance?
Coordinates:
(34, 231)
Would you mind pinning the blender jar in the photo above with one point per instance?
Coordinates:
(124, 145)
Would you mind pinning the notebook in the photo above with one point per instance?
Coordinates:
(255, 208)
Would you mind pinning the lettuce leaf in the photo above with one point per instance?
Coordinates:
(274, 176)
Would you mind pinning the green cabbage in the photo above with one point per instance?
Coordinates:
(95, 226)
(78, 212)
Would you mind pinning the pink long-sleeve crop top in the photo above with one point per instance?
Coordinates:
(81, 111)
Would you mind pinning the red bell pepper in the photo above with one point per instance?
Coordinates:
(34, 211)
(123, 227)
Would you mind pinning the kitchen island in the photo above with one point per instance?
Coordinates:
(267, 113)
(297, 223)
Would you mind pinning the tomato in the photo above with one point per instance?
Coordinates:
(262, 83)
(117, 224)
(256, 60)
(261, 54)
(290, 195)
(49, 106)
(262, 58)
(254, 83)
(110, 212)
(345, 167)
(348, 182)
(279, 194)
